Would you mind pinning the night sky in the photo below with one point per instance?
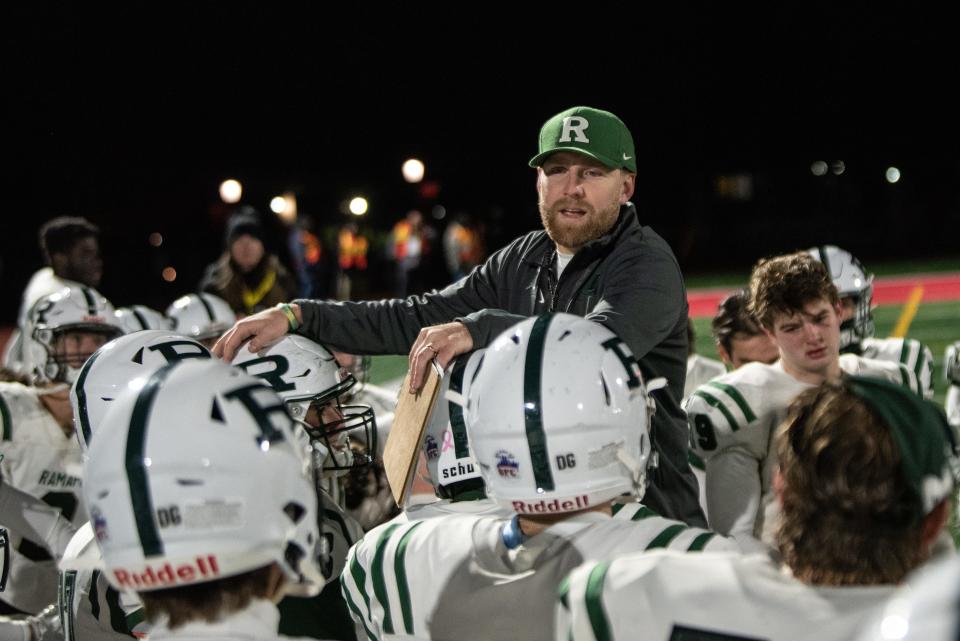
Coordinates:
(132, 116)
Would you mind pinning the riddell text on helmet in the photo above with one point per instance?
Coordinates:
(203, 568)
(548, 507)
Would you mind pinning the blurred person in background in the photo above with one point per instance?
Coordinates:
(462, 246)
(306, 249)
(406, 247)
(352, 249)
(245, 275)
(71, 253)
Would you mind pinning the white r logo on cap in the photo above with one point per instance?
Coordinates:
(575, 125)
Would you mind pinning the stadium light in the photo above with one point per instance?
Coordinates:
(358, 206)
(230, 191)
(893, 175)
(413, 170)
(818, 168)
(285, 207)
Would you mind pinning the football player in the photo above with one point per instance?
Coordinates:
(855, 287)
(40, 455)
(203, 502)
(90, 608)
(732, 418)
(558, 418)
(311, 384)
(865, 483)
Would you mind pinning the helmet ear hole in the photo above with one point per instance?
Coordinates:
(294, 510)
(606, 389)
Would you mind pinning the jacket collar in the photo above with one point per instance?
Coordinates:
(627, 223)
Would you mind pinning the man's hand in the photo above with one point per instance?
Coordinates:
(446, 342)
(262, 329)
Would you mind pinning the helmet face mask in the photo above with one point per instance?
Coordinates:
(311, 384)
(559, 417)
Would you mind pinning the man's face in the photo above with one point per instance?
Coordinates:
(81, 263)
(809, 340)
(74, 347)
(579, 198)
(745, 348)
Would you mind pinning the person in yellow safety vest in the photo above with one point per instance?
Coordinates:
(462, 247)
(351, 258)
(406, 247)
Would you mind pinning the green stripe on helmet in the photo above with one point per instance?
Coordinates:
(533, 403)
(461, 443)
(83, 418)
(137, 476)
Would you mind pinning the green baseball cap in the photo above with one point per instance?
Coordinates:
(592, 132)
(927, 444)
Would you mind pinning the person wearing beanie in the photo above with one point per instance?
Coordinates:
(246, 276)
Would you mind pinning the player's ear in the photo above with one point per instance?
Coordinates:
(933, 523)
(778, 486)
(724, 355)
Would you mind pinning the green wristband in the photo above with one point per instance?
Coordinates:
(291, 317)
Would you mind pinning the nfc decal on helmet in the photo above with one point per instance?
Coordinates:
(533, 404)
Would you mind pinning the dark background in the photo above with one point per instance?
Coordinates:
(132, 114)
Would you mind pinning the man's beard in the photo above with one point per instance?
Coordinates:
(594, 224)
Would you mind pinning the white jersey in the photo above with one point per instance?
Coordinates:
(39, 459)
(259, 621)
(709, 597)
(951, 370)
(446, 507)
(341, 531)
(908, 352)
(925, 608)
(455, 578)
(732, 421)
(701, 369)
(90, 608)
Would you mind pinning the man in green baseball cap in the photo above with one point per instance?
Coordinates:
(592, 258)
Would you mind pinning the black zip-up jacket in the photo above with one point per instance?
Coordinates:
(628, 280)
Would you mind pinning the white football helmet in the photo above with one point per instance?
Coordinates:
(115, 366)
(305, 374)
(137, 318)
(76, 308)
(203, 317)
(446, 444)
(951, 363)
(559, 416)
(851, 281)
(194, 476)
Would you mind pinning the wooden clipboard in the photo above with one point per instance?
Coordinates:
(402, 450)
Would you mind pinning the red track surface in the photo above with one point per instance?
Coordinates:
(893, 290)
